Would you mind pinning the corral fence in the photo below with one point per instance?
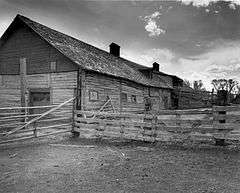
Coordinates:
(18, 123)
(217, 123)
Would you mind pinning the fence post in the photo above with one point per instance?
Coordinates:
(75, 133)
(218, 141)
(35, 129)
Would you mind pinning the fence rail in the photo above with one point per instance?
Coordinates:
(216, 123)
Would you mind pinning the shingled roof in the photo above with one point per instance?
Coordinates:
(89, 57)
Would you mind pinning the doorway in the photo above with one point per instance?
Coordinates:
(39, 97)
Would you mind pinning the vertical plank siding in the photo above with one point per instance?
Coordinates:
(39, 54)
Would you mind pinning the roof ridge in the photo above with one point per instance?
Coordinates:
(90, 57)
(24, 17)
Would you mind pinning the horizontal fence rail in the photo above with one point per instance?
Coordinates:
(215, 123)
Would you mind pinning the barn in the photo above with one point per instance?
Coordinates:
(41, 66)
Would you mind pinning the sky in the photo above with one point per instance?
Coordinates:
(193, 39)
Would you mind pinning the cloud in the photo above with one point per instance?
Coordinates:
(205, 3)
(222, 61)
(163, 56)
(151, 26)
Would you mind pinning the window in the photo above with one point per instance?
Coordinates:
(124, 97)
(93, 95)
(148, 104)
(140, 99)
(165, 101)
(134, 99)
(53, 66)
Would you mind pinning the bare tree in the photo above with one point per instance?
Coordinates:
(198, 85)
(229, 86)
(224, 84)
(187, 82)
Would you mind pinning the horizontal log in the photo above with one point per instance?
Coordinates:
(53, 119)
(173, 129)
(227, 117)
(226, 126)
(226, 108)
(19, 116)
(54, 126)
(8, 125)
(17, 139)
(162, 112)
(141, 123)
(34, 107)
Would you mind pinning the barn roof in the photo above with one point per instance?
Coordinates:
(89, 57)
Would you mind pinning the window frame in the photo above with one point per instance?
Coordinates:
(53, 64)
(125, 98)
(89, 95)
(133, 97)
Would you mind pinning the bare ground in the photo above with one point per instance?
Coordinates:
(63, 164)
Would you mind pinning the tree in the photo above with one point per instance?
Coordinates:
(198, 85)
(187, 82)
(223, 84)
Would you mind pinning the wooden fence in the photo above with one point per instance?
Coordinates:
(219, 123)
(16, 123)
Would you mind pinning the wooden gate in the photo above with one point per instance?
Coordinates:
(17, 124)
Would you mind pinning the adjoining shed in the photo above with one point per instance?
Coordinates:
(41, 66)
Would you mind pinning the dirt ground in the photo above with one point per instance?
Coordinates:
(64, 164)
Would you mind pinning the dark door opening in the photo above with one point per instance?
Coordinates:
(39, 97)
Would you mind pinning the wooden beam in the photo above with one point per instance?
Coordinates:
(83, 89)
(120, 95)
(23, 86)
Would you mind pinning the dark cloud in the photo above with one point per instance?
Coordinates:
(189, 30)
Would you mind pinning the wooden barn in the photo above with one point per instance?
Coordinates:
(41, 66)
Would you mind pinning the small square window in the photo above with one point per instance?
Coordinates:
(134, 99)
(124, 97)
(93, 95)
(140, 99)
(53, 66)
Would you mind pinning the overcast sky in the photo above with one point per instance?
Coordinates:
(195, 40)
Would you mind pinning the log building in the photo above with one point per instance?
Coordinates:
(41, 66)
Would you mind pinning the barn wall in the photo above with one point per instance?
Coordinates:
(39, 54)
(104, 86)
(137, 90)
(107, 86)
(62, 87)
(161, 99)
(10, 94)
(191, 100)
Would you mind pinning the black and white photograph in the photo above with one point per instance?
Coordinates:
(109, 96)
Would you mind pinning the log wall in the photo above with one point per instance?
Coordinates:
(107, 86)
(10, 93)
